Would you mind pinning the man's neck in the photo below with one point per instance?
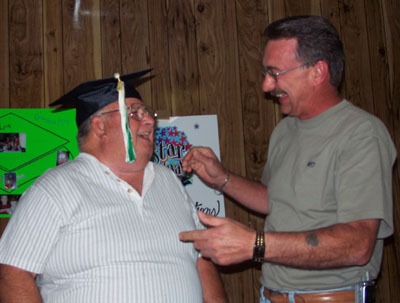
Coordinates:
(134, 179)
(131, 173)
(323, 100)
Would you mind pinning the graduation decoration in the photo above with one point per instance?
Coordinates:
(173, 139)
(91, 96)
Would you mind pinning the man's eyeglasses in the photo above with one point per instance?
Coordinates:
(268, 70)
(137, 112)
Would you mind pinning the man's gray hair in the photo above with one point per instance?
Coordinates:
(317, 40)
(83, 132)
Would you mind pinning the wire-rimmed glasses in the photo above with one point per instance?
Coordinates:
(136, 111)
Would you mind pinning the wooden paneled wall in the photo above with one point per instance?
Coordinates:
(206, 56)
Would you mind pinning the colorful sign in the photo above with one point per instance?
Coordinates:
(173, 139)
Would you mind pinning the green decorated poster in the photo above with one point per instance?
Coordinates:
(31, 141)
(34, 140)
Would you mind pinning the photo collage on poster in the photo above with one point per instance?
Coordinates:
(32, 141)
(12, 142)
(8, 204)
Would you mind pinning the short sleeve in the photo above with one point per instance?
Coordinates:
(364, 179)
(31, 232)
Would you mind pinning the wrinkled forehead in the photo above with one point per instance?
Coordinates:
(280, 50)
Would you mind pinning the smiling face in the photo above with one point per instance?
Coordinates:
(293, 89)
(142, 133)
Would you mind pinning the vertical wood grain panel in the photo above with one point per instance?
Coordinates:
(219, 75)
(391, 15)
(276, 10)
(183, 58)
(159, 57)
(391, 11)
(110, 37)
(219, 84)
(53, 50)
(258, 112)
(357, 67)
(135, 41)
(302, 7)
(26, 53)
(330, 10)
(382, 108)
(4, 63)
(81, 39)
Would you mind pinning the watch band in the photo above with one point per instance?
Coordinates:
(259, 247)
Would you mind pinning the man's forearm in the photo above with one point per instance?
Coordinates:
(250, 194)
(347, 244)
(211, 283)
(17, 286)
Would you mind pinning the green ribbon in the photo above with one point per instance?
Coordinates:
(130, 155)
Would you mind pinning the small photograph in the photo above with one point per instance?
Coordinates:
(8, 204)
(62, 157)
(13, 142)
(10, 180)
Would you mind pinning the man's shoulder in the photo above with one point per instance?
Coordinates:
(354, 111)
(363, 120)
(80, 165)
(162, 172)
(160, 169)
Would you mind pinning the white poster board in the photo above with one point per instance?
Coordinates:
(173, 139)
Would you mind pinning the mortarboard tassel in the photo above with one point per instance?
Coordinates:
(126, 130)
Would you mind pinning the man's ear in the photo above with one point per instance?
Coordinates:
(320, 72)
(98, 126)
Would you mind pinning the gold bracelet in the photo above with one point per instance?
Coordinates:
(259, 247)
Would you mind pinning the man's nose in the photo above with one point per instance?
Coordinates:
(149, 120)
(269, 83)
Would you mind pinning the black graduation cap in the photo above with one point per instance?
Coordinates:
(91, 96)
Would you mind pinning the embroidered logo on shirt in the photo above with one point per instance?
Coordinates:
(311, 164)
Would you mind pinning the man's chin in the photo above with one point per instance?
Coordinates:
(145, 155)
(284, 109)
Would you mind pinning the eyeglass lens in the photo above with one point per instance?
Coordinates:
(138, 112)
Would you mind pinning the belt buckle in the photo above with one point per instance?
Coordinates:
(367, 291)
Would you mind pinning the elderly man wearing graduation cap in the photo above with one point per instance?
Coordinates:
(104, 227)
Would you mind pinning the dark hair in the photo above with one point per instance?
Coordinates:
(317, 39)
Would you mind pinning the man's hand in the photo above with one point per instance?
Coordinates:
(225, 242)
(205, 163)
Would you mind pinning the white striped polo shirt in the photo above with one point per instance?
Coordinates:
(91, 237)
